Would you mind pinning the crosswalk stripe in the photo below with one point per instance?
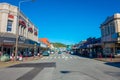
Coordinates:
(54, 57)
(50, 57)
(71, 57)
(59, 57)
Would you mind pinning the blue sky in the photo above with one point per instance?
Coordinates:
(68, 21)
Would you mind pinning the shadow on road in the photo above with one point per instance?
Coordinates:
(65, 72)
(114, 64)
(37, 67)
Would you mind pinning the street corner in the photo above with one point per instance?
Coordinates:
(9, 63)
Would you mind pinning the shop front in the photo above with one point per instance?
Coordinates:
(25, 46)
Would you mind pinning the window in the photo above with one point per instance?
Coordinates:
(9, 25)
(108, 30)
(112, 28)
(102, 31)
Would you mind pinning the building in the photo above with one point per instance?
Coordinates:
(110, 35)
(91, 46)
(45, 41)
(13, 21)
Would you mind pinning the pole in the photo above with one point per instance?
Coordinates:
(17, 27)
(17, 35)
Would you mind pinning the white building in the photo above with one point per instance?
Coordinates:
(12, 21)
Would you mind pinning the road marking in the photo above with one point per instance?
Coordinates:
(70, 57)
(54, 57)
(45, 74)
(50, 57)
(43, 58)
(75, 57)
(66, 57)
(59, 57)
(37, 68)
(47, 57)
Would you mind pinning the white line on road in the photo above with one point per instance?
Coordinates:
(50, 57)
(63, 57)
(45, 74)
(47, 57)
(70, 57)
(43, 58)
(59, 57)
(54, 57)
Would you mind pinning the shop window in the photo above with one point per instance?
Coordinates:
(9, 25)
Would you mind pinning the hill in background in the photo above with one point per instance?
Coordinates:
(57, 44)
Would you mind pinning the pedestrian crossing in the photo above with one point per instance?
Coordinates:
(59, 57)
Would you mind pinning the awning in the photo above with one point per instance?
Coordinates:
(21, 22)
(30, 29)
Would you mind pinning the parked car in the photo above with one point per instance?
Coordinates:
(45, 53)
(71, 52)
(59, 52)
(52, 52)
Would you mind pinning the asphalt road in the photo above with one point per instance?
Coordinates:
(62, 67)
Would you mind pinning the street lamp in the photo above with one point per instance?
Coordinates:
(17, 28)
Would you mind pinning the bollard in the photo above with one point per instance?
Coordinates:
(12, 57)
(21, 58)
(38, 54)
(110, 57)
(101, 56)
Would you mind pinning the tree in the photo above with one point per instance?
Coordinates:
(57, 44)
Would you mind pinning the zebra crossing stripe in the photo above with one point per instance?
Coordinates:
(43, 58)
(70, 57)
(50, 57)
(60, 57)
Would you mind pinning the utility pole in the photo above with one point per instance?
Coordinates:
(17, 28)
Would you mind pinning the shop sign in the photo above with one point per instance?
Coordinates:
(21, 38)
(9, 41)
(10, 16)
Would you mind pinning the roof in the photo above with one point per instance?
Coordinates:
(45, 41)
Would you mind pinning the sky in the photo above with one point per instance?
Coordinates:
(68, 21)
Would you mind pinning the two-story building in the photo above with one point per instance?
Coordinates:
(110, 35)
(12, 23)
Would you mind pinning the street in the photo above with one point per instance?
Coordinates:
(61, 67)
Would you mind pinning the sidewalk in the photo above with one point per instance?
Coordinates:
(108, 59)
(25, 59)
